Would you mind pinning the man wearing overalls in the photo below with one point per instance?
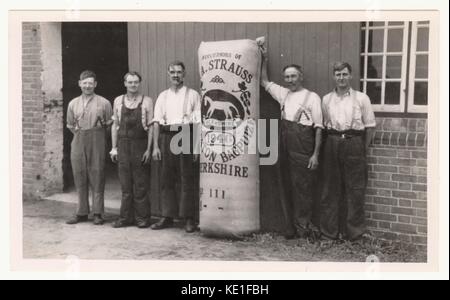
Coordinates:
(300, 139)
(349, 121)
(132, 136)
(88, 117)
(176, 107)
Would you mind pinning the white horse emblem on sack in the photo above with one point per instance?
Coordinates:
(224, 106)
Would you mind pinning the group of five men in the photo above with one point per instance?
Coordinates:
(343, 121)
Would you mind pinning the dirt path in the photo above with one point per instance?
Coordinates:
(47, 236)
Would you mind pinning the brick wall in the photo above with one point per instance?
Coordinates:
(397, 188)
(41, 110)
(32, 111)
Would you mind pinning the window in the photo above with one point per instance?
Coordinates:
(384, 65)
(418, 75)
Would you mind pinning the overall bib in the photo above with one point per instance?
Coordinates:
(134, 176)
(297, 144)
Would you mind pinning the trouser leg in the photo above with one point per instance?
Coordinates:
(285, 198)
(169, 178)
(300, 149)
(302, 197)
(126, 181)
(96, 168)
(80, 174)
(188, 196)
(331, 189)
(355, 184)
(141, 178)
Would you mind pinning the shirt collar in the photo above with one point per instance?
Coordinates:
(177, 91)
(346, 94)
(88, 99)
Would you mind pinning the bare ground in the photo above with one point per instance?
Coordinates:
(45, 235)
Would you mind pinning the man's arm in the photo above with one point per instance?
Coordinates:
(70, 118)
(370, 131)
(146, 118)
(264, 75)
(156, 151)
(314, 160)
(147, 153)
(113, 152)
(369, 121)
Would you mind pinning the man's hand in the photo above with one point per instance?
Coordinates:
(261, 42)
(313, 162)
(113, 154)
(156, 154)
(146, 157)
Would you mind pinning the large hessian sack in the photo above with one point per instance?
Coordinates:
(229, 163)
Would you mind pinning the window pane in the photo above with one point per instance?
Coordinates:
(374, 92)
(396, 23)
(392, 93)
(424, 22)
(363, 41)
(421, 93)
(374, 66)
(422, 39)
(393, 67)
(422, 66)
(361, 67)
(395, 40)
(376, 23)
(376, 40)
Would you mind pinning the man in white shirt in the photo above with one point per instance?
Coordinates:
(132, 136)
(349, 122)
(176, 107)
(301, 133)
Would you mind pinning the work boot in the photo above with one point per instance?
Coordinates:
(190, 225)
(98, 220)
(143, 224)
(76, 220)
(120, 224)
(163, 223)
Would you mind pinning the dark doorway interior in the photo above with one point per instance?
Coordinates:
(103, 48)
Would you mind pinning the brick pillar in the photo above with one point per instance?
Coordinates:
(397, 194)
(42, 121)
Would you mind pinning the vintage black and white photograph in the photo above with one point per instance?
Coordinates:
(269, 140)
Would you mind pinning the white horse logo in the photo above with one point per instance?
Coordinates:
(224, 106)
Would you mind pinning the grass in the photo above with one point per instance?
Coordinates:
(370, 249)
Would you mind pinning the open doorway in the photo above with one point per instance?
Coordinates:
(103, 48)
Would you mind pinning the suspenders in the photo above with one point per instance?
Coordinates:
(185, 118)
(300, 111)
(354, 103)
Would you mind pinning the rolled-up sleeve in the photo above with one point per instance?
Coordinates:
(316, 111)
(368, 116)
(196, 116)
(108, 112)
(116, 116)
(70, 116)
(147, 112)
(158, 114)
(278, 92)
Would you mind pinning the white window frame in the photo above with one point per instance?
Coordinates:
(412, 69)
(387, 107)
